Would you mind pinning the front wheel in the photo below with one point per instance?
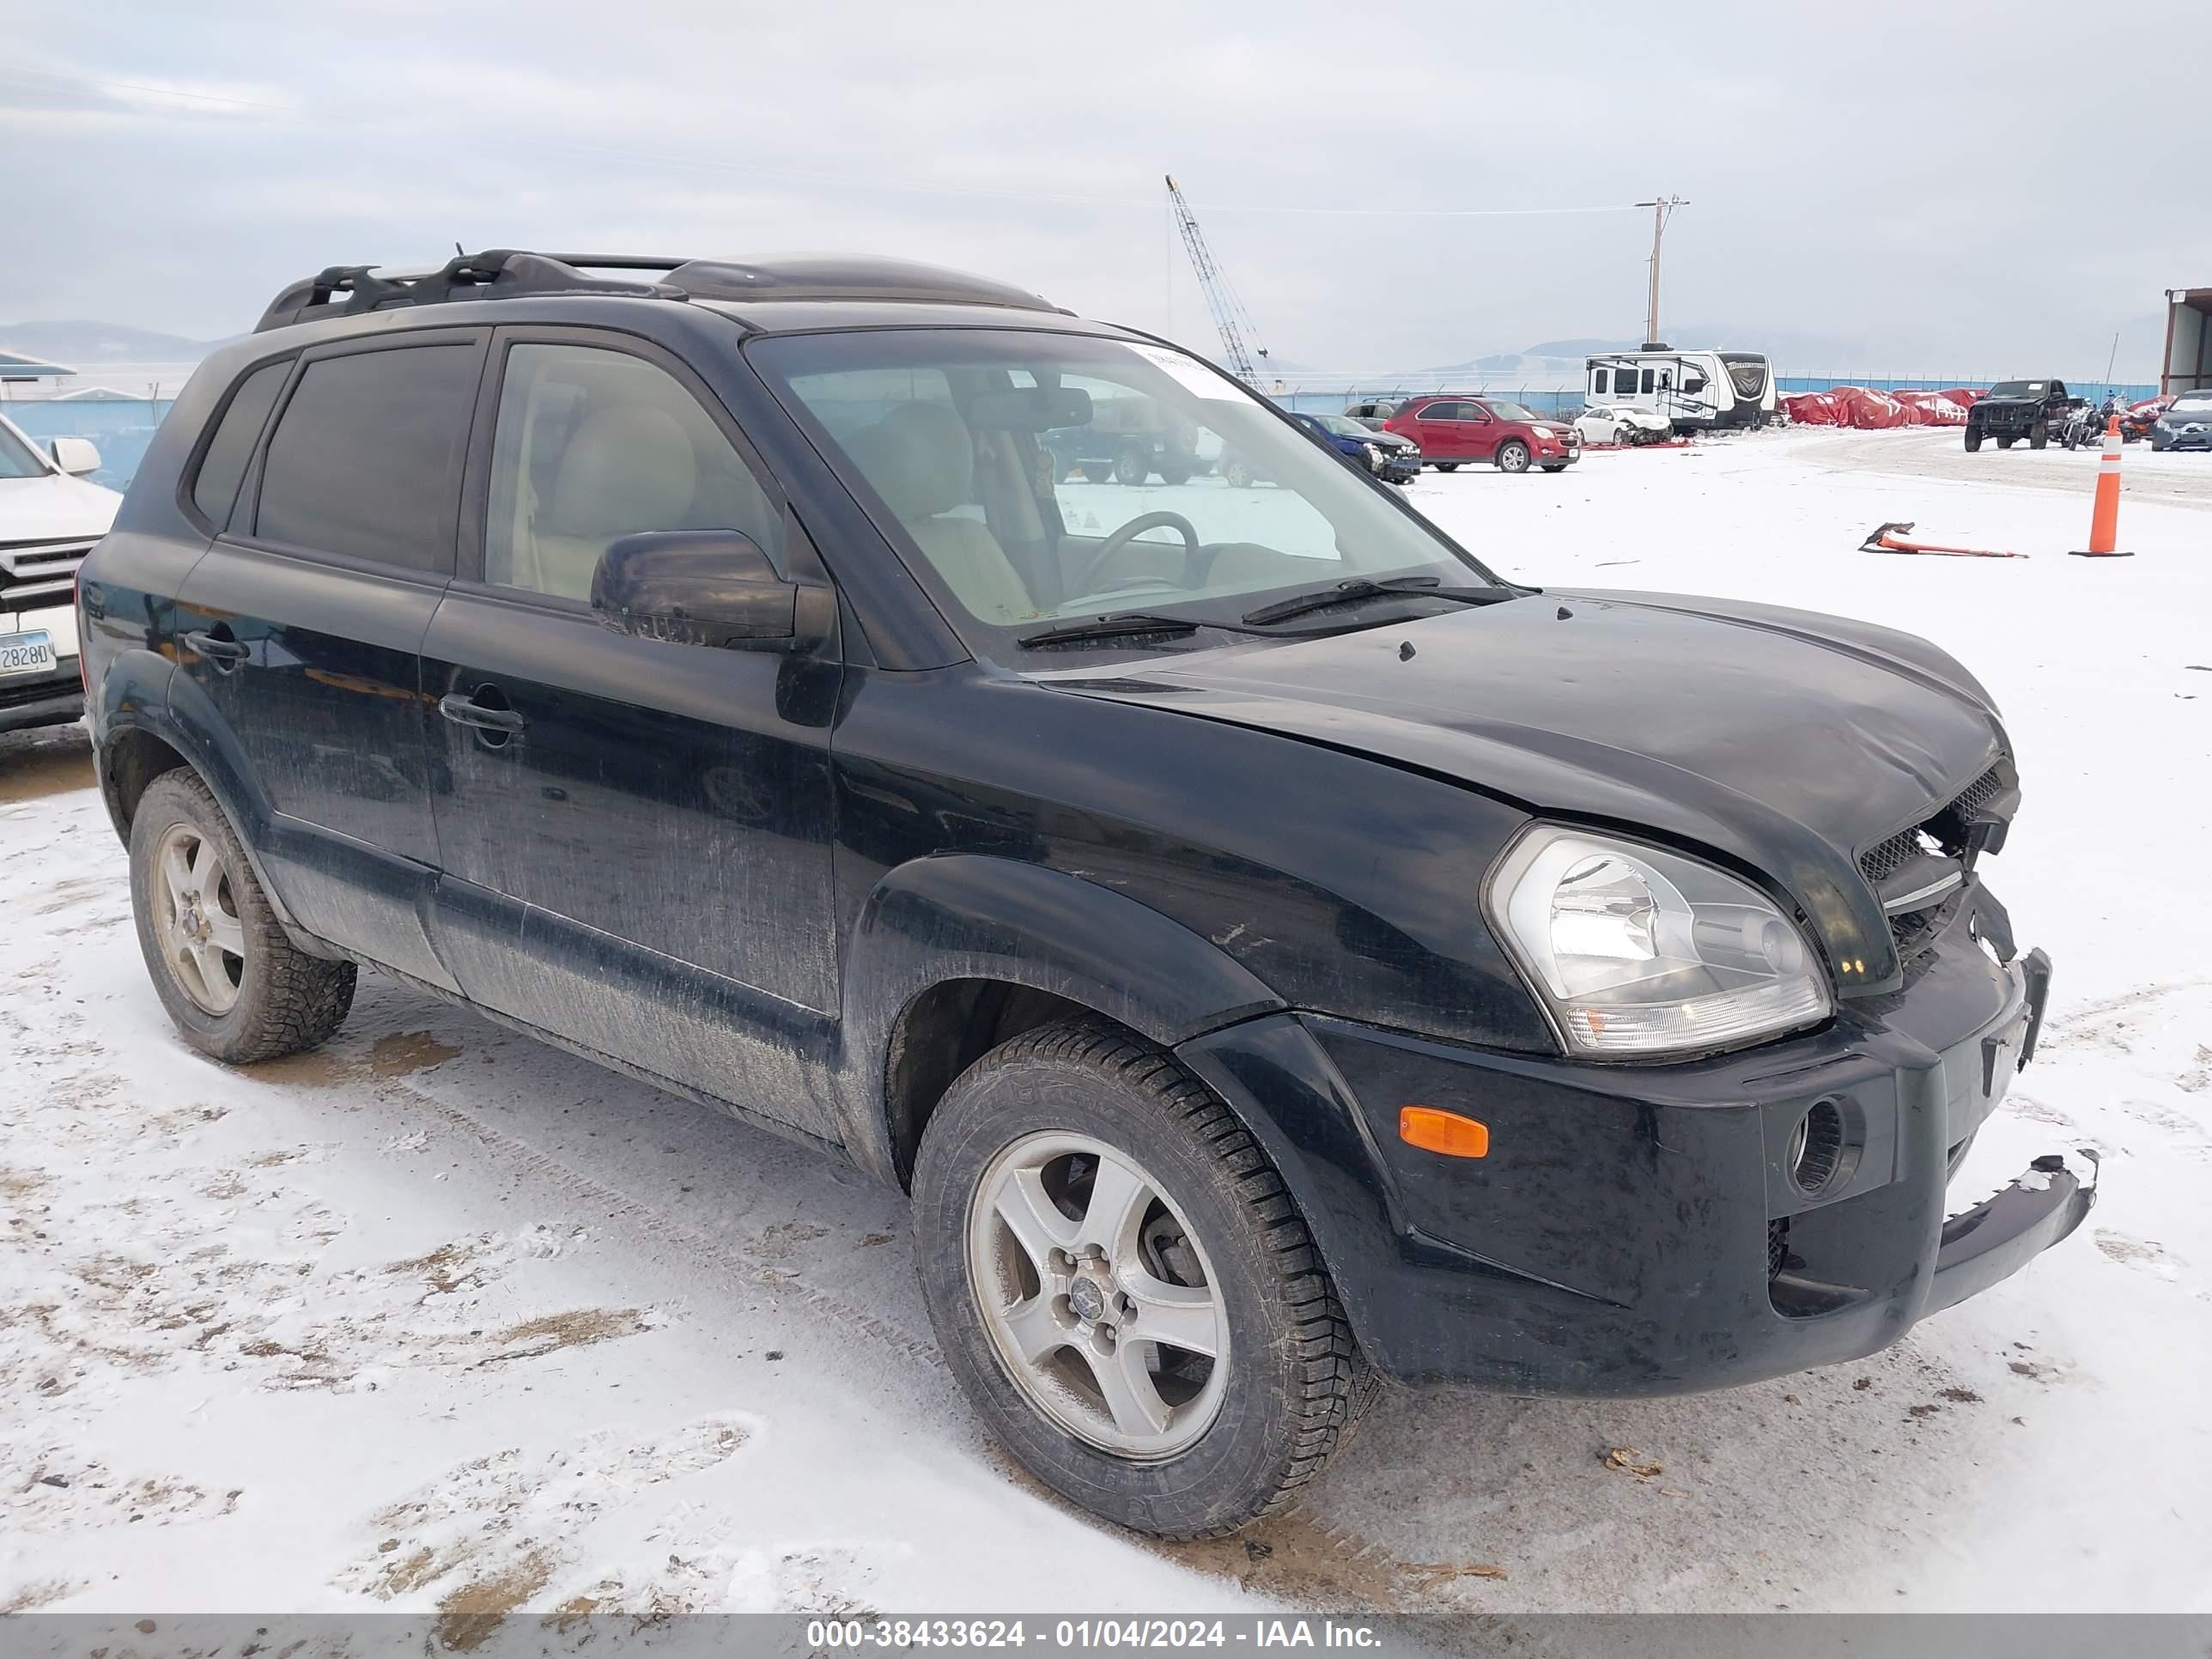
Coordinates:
(1124, 1287)
(2038, 438)
(236, 988)
(1238, 475)
(1512, 456)
(1973, 440)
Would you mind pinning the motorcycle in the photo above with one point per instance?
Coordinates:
(2085, 426)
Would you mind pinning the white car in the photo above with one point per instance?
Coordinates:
(50, 517)
(1621, 423)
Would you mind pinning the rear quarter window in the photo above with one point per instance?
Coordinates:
(216, 486)
(366, 459)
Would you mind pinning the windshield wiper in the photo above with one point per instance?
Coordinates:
(1360, 589)
(1127, 625)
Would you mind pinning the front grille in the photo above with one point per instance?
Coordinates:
(1945, 831)
(39, 575)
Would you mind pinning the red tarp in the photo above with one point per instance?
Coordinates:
(1855, 406)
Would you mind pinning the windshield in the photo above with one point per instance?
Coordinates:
(2191, 403)
(1344, 425)
(1506, 411)
(1035, 478)
(17, 459)
(2018, 388)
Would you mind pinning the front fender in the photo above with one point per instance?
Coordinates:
(970, 916)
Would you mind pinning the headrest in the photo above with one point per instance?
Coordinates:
(919, 458)
(629, 468)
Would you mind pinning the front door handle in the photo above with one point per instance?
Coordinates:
(223, 654)
(466, 711)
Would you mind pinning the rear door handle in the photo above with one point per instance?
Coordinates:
(463, 711)
(221, 652)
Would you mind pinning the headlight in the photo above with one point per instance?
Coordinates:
(1638, 951)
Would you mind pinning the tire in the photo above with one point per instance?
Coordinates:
(1447, 466)
(2038, 438)
(1205, 1218)
(1238, 475)
(1973, 440)
(264, 999)
(1174, 473)
(1098, 471)
(1561, 467)
(1131, 466)
(2004, 443)
(1512, 456)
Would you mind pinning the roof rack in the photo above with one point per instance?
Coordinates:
(505, 273)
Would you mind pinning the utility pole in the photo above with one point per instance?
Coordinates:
(1662, 210)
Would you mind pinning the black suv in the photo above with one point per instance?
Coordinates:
(2034, 409)
(1276, 951)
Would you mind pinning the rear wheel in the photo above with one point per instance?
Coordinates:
(1238, 475)
(1175, 473)
(236, 986)
(1131, 466)
(1512, 456)
(1124, 1287)
(2004, 443)
(1447, 466)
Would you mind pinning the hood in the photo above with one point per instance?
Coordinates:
(1391, 439)
(1784, 740)
(54, 507)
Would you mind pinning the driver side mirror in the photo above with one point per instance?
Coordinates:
(712, 587)
(77, 456)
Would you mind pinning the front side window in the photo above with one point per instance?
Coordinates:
(1036, 479)
(593, 445)
(366, 459)
(1445, 411)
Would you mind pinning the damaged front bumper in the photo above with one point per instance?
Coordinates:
(1648, 1229)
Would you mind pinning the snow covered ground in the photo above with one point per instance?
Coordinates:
(442, 1322)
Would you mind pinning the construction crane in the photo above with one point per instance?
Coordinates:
(1229, 316)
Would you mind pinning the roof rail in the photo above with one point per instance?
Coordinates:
(504, 273)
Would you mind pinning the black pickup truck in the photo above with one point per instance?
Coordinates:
(2034, 410)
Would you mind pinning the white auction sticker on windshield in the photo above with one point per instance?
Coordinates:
(1195, 376)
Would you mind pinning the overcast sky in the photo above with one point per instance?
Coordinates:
(1928, 188)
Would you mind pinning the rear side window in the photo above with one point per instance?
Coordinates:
(1601, 382)
(366, 459)
(224, 464)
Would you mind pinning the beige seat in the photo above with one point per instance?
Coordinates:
(629, 468)
(920, 458)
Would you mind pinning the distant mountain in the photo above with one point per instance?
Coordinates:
(1579, 348)
(79, 342)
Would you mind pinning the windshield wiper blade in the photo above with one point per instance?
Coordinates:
(1127, 625)
(1360, 589)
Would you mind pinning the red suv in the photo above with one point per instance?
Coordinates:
(1451, 429)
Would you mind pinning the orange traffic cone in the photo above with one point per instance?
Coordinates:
(2105, 517)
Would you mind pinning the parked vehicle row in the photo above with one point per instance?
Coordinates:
(50, 517)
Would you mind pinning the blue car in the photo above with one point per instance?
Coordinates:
(1385, 454)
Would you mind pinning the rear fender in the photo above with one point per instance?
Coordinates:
(143, 691)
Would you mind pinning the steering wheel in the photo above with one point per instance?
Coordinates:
(1129, 532)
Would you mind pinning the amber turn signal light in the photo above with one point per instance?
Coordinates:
(1448, 1133)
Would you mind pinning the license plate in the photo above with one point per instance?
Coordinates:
(26, 653)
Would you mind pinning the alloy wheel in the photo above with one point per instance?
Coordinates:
(1097, 1295)
(195, 919)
